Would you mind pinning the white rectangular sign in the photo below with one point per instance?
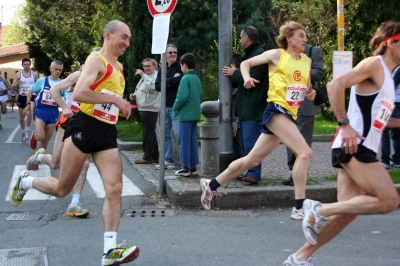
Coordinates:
(342, 62)
(160, 33)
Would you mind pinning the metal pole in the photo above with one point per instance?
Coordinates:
(161, 182)
(340, 21)
(225, 86)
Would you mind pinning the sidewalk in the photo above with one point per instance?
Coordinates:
(185, 192)
(269, 193)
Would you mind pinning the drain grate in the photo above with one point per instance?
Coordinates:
(24, 257)
(228, 213)
(148, 213)
(24, 217)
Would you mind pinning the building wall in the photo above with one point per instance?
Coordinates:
(10, 65)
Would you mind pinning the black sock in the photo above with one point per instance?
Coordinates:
(214, 185)
(298, 203)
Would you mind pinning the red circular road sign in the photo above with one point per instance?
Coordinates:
(157, 7)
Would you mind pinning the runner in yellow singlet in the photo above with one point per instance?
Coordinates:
(289, 71)
(92, 131)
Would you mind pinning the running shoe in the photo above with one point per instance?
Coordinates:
(291, 262)
(297, 214)
(27, 133)
(193, 171)
(18, 191)
(207, 194)
(23, 137)
(386, 166)
(183, 172)
(77, 211)
(32, 162)
(119, 255)
(312, 221)
(33, 141)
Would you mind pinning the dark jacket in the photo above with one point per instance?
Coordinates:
(172, 83)
(307, 107)
(250, 103)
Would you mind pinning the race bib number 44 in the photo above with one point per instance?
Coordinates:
(383, 115)
(106, 111)
(295, 94)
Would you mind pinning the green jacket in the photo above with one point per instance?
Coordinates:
(188, 98)
(250, 103)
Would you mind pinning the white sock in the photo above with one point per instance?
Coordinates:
(26, 182)
(39, 157)
(296, 261)
(75, 199)
(110, 241)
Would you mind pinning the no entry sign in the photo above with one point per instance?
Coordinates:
(157, 7)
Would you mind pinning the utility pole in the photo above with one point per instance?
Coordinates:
(225, 85)
(340, 21)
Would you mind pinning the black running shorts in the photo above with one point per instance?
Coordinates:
(363, 155)
(89, 134)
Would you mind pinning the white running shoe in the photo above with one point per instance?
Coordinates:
(27, 133)
(23, 136)
(312, 221)
(291, 262)
(206, 193)
(297, 214)
(32, 162)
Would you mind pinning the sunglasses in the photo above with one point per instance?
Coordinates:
(245, 30)
(172, 52)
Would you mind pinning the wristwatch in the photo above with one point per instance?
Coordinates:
(343, 122)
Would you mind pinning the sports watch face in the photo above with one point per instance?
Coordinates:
(344, 121)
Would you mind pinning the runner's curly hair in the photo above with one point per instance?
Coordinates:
(287, 30)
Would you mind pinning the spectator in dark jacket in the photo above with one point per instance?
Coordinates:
(250, 103)
(174, 76)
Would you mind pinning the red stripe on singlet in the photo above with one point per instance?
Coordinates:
(109, 72)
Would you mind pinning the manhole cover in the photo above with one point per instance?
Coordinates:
(148, 213)
(228, 213)
(24, 217)
(24, 257)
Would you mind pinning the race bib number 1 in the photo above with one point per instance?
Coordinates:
(383, 115)
(106, 111)
(295, 94)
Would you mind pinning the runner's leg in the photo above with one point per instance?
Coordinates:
(346, 189)
(71, 156)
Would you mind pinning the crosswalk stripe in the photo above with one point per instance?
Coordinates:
(32, 194)
(93, 177)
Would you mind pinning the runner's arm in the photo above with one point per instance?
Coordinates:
(268, 57)
(60, 86)
(366, 69)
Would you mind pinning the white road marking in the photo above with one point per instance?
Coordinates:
(32, 194)
(95, 181)
(93, 178)
(11, 137)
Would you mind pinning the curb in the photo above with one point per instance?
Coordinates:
(187, 195)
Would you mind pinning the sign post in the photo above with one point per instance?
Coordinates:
(161, 11)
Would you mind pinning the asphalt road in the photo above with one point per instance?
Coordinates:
(188, 237)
